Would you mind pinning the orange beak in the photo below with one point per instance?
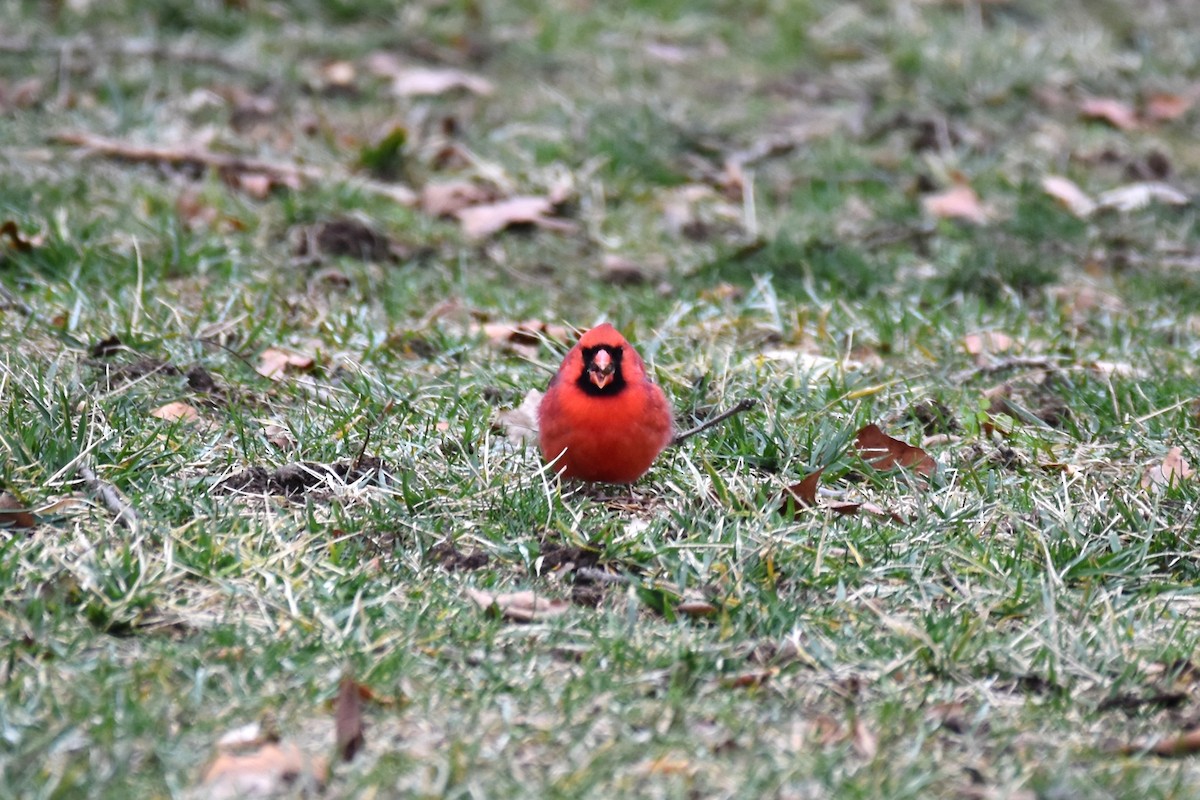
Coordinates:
(601, 370)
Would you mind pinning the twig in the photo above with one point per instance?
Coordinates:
(283, 172)
(600, 576)
(745, 404)
(112, 498)
(1012, 362)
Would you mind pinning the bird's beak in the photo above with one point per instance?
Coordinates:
(602, 369)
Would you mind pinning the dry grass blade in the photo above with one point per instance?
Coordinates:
(108, 494)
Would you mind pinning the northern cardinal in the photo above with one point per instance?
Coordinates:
(601, 417)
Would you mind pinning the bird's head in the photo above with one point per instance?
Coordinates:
(606, 368)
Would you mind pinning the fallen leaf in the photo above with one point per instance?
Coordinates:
(266, 772)
(1171, 471)
(1068, 193)
(524, 606)
(986, 342)
(863, 739)
(883, 452)
(696, 608)
(1133, 196)
(747, 680)
(803, 493)
(348, 721)
(18, 241)
(1117, 113)
(847, 508)
(621, 271)
(176, 412)
(958, 202)
(1167, 107)
(520, 424)
(448, 198)
(1184, 744)
(410, 81)
(482, 221)
(274, 362)
(522, 337)
(14, 513)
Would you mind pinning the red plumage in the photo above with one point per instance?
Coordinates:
(601, 417)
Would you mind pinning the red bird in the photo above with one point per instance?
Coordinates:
(602, 418)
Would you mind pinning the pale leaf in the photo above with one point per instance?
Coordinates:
(1066, 192)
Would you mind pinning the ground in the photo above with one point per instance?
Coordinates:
(263, 323)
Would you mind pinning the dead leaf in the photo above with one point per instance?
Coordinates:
(958, 202)
(1068, 193)
(803, 493)
(523, 338)
(482, 221)
(19, 242)
(1167, 107)
(883, 452)
(847, 508)
(348, 721)
(520, 424)
(1134, 196)
(621, 271)
(524, 606)
(1117, 113)
(696, 608)
(14, 513)
(1171, 471)
(448, 198)
(863, 739)
(747, 680)
(274, 362)
(270, 770)
(986, 342)
(414, 81)
(176, 412)
(1183, 744)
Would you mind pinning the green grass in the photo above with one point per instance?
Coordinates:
(1033, 607)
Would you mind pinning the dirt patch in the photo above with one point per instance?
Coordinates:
(451, 559)
(300, 478)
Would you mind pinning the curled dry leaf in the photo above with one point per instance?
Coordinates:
(418, 81)
(1171, 471)
(1184, 744)
(1167, 107)
(958, 202)
(176, 412)
(14, 513)
(524, 606)
(621, 271)
(270, 770)
(1139, 195)
(348, 721)
(482, 221)
(448, 198)
(883, 452)
(985, 342)
(1067, 192)
(802, 494)
(274, 362)
(523, 337)
(17, 240)
(1117, 113)
(520, 424)
(747, 680)
(695, 608)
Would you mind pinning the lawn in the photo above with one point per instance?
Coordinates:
(277, 278)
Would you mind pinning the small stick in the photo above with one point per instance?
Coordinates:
(112, 498)
(745, 404)
(600, 576)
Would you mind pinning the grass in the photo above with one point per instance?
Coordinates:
(1033, 607)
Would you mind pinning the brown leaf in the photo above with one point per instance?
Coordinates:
(1172, 470)
(1134, 196)
(1117, 113)
(524, 606)
(176, 412)
(348, 721)
(274, 362)
(958, 202)
(410, 81)
(1167, 107)
(482, 221)
(271, 769)
(883, 452)
(846, 508)
(1068, 193)
(447, 199)
(520, 424)
(803, 493)
(696, 608)
(621, 271)
(751, 679)
(523, 337)
(14, 513)
(1184, 744)
(19, 242)
(986, 342)
(863, 739)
